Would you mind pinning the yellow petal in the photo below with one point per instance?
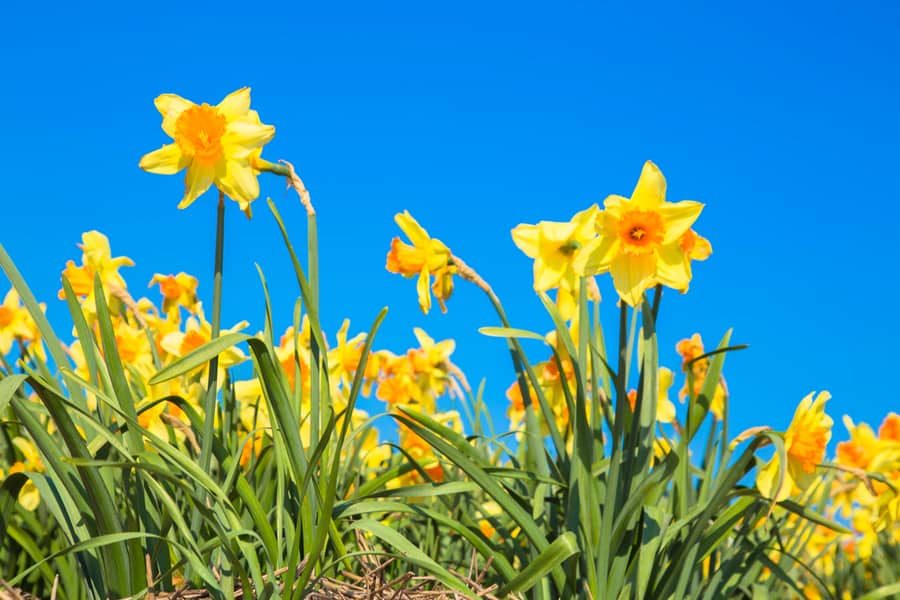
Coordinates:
(596, 256)
(527, 239)
(767, 481)
(678, 218)
(235, 105)
(239, 182)
(547, 274)
(632, 275)
(673, 268)
(415, 232)
(29, 497)
(171, 106)
(243, 136)
(168, 160)
(650, 190)
(198, 179)
(424, 290)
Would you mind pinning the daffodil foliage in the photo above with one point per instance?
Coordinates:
(150, 447)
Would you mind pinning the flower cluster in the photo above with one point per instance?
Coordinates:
(642, 241)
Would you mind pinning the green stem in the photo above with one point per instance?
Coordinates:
(209, 405)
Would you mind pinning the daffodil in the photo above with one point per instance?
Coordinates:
(554, 245)
(690, 350)
(177, 290)
(96, 260)
(198, 332)
(15, 323)
(639, 239)
(29, 496)
(804, 445)
(426, 257)
(216, 144)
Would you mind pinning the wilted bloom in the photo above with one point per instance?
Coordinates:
(426, 257)
(639, 239)
(804, 445)
(216, 144)
(553, 246)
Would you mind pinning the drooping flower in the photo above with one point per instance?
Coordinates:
(29, 497)
(426, 257)
(804, 443)
(553, 245)
(639, 239)
(216, 144)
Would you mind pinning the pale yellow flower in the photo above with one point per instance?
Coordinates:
(553, 245)
(216, 144)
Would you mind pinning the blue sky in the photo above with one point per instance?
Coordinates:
(479, 116)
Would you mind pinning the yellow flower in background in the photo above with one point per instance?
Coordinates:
(424, 258)
(665, 409)
(553, 245)
(804, 444)
(860, 449)
(177, 290)
(690, 349)
(197, 332)
(639, 239)
(29, 497)
(16, 324)
(96, 259)
(890, 428)
(216, 144)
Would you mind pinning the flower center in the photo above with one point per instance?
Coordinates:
(6, 316)
(170, 288)
(192, 340)
(199, 131)
(641, 231)
(808, 447)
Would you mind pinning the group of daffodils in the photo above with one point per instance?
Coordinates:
(642, 241)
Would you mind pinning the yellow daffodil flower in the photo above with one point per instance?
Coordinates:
(198, 332)
(554, 245)
(639, 239)
(890, 428)
(426, 257)
(96, 259)
(15, 323)
(29, 496)
(177, 290)
(690, 349)
(216, 144)
(804, 444)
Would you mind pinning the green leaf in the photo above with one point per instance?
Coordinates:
(510, 332)
(8, 387)
(198, 357)
(554, 555)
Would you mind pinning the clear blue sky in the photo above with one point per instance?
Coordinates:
(782, 118)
